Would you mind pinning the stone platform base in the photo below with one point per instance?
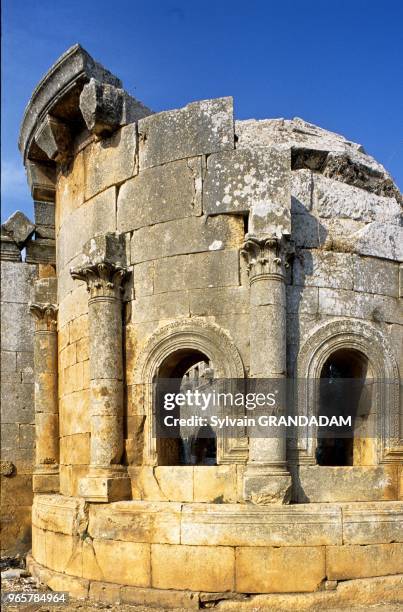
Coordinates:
(213, 552)
(343, 595)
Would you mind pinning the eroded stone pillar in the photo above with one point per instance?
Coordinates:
(107, 479)
(267, 479)
(46, 472)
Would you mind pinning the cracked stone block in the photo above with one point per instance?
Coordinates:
(19, 227)
(199, 128)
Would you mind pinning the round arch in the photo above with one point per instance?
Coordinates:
(205, 338)
(361, 336)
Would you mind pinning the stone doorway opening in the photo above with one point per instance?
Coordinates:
(188, 370)
(344, 390)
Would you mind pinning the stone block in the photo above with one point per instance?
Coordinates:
(334, 198)
(157, 598)
(46, 483)
(279, 570)
(250, 180)
(79, 328)
(74, 378)
(346, 562)
(198, 568)
(83, 349)
(105, 592)
(301, 191)
(377, 308)
(8, 363)
(376, 276)
(349, 484)
(124, 562)
(41, 179)
(17, 403)
(379, 240)
(75, 449)
(16, 536)
(316, 268)
(19, 227)
(248, 525)
(167, 306)
(160, 194)
(151, 522)
(45, 212)
(198, 271)
(199, 128)
(182, 236)
(77, 587)
(104, 488)
(214, 484)
(42, 231)
(302, 299)
(110, 161)
(73, 305)
(94, 218)
(176, 482)
(27, 436)
(306, 231)
(9, 249)
(17, 490)
(59, 549)
(17, 279)
(372, 523)
(39, 545)
(215, 301)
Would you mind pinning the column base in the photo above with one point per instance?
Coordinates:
(264, 485)
(103, 487)
(46, 480)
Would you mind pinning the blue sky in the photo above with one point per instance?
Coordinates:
(337, 63)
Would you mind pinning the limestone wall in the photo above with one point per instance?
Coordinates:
(17, 405)
(179, 186)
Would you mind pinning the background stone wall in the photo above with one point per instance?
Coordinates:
(17, 405)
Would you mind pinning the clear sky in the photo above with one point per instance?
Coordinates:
(337, 63)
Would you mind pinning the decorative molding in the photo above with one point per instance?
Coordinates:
(45, 315)
(265, 257)
(217, 345)
(103, 279)
(361, 336)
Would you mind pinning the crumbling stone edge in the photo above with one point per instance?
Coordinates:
(360, 592)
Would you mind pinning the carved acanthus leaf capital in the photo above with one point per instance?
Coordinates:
(45, 316)
(265, 257)
(103, 279)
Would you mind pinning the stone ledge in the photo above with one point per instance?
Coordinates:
(349, 593)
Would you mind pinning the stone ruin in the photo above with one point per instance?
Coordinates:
(162, 241)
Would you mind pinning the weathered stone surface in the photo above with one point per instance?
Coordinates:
(354, 483)
(301, 299)
(106, 107)
(243, 180)
(280, 570)
(44, 213)
(191, 235)
(372, 523)
(41, 179)
(55, 139)
(301, 191)
(19, 227)
(346, 562)
(151, 522)
(205, 568)
(160, 194)
(379, 240)
(110, 161)
(199, 128)
(246, 525)
(9, 250)
(17, 281)
(41, 250)
(212, 269)
(376, 276)
(159, 598)
(124, 562)
(360, 305)
(96, 218)
(317, 268)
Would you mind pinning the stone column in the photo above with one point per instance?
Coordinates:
(46, 472)
(267, 479)
(107, 479)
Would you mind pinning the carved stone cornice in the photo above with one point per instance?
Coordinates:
(45, 316)
(103, 279)
(265, 257)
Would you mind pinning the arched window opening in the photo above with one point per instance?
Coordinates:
(189, 370)
(343, 391)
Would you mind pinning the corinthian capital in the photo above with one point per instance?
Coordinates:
(265, 257)
(45, 316)
(103, 279)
